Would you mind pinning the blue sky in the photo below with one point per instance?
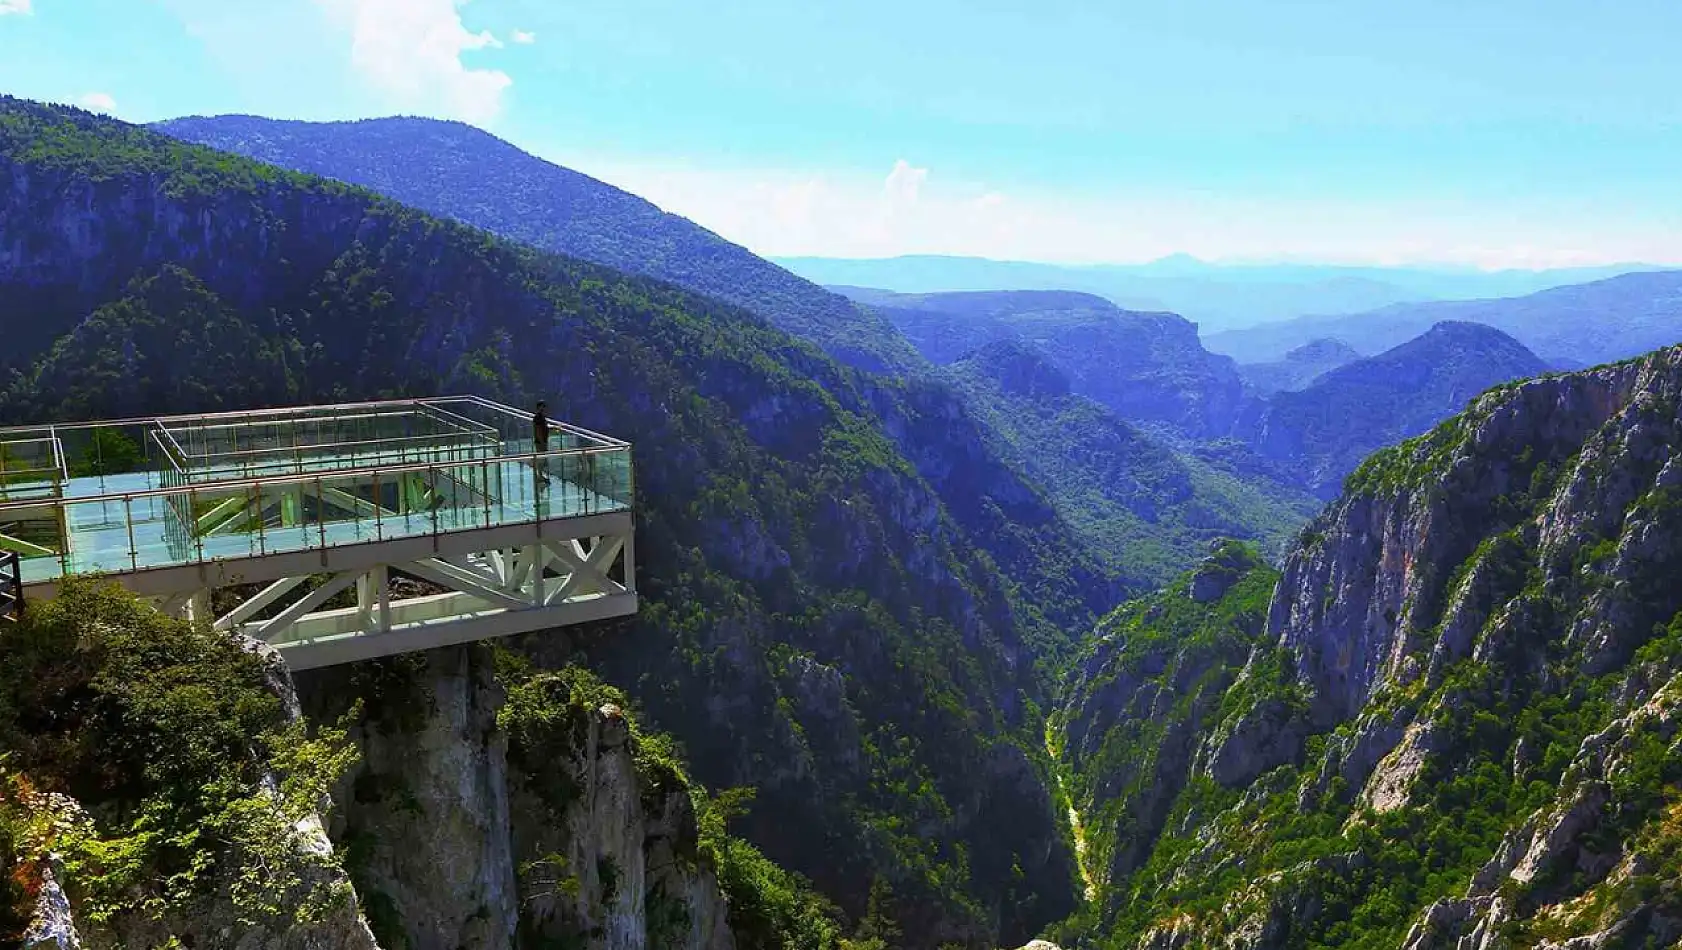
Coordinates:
(1495, 132)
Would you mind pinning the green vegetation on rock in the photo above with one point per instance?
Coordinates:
(141, 750)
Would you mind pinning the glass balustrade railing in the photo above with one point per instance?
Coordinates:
(236, 486)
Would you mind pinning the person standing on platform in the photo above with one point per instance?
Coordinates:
(540, 442)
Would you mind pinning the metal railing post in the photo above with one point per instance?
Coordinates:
(437, 502)
(128, 519)
(320, 513)
(262, 522)
(193, 522)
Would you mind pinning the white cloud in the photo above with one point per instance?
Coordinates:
(905, 182)
(98, 102)
(14, 6)
(411, 51)
(523, 37)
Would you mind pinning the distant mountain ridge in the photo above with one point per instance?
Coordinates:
(1146, 367)
(1328, 427)
(1216, 296)
(1576, 325)
(455, 170)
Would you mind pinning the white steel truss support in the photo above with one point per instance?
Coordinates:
(249, 609)
(473, 595)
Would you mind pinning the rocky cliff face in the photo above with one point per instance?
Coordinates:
(514, 813)
(1457, 730)
(159, 789)
(475, 816)
(1144, 696)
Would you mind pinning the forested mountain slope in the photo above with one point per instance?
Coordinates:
(1325, 429)
(1153, 508)
(821, 619)
(457, 171)
(461, 172)
(1456, 723)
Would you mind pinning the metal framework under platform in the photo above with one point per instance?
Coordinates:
(334, 533)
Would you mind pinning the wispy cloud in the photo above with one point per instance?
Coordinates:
(98, 102)
(913, 210)
(523, 37)
(412, 52)
(905, 182)
(14, 6)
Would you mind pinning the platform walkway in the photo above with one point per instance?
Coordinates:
(296, 510)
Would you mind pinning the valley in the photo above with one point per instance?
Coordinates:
(970, 616)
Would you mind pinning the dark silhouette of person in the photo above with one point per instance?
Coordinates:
(540, 443)
(540, 427)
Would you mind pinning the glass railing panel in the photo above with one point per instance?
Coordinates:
(124, 521)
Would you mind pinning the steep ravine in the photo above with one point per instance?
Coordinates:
(1077, 829)
(1458, 725)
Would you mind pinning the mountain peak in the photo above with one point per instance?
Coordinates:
(458, 171)
(1323, 350)
(1460, 339)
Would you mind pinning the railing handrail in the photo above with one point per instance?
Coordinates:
(263, 481)
(208, 418)
(313, 446)
(472, 424)
(553, 423)
(181, 453)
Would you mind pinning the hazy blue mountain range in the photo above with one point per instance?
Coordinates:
(1145, 367)
(1297, 368)
(1570, 326)
(1325, 429)
(1305, 421)
(1215, 296)
(457, 171)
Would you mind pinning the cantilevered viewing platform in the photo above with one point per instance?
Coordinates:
(334, 533)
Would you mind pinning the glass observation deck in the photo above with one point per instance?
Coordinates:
(139, 494)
